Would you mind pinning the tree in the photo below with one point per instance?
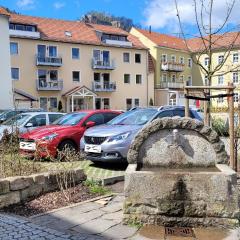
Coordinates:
(211, 37)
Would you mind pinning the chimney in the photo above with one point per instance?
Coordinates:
(150, 29)
(116, 24)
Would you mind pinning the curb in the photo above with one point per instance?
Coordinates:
(112, 180)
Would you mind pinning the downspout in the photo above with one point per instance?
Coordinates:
(147, 74)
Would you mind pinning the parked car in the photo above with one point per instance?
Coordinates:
(110, 142)
(65, 132)
(28, 121)
(9, 113)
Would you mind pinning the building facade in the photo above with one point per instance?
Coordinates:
(81, 65)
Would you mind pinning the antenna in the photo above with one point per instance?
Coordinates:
(150, 29)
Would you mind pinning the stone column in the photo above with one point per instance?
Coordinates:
(6, 90)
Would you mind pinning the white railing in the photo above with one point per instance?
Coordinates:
(118, 43)
(49, 85)
(49, 61)
(172, 66)
(104, 87)
(170, 85)
(20, 33)
(103, 64)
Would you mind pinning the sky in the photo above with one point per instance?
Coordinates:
(160, 14)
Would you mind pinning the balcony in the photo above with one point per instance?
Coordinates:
(118, 43)
(49, 61)
(172, 67)
(104, 87)
(49, 85)
(170, 85)
(105, 65)
(20, 33)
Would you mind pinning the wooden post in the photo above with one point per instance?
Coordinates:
(231, 127)
(205, 110)
(186, 103)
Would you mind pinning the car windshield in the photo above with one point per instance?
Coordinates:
(70, 119)
(17, 120)
(135, 117)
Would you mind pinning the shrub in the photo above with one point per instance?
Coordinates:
(151, 102)
(220, 126)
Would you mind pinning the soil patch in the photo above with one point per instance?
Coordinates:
(50, 201)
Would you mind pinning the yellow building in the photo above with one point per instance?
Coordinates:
(174, 65)
(83, 65)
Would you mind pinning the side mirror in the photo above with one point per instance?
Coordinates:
(90, 124)
(28, 125)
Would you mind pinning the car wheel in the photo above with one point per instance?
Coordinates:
(66, 148)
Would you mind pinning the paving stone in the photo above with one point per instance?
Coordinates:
(113, 207)
(113, 216)
(119, 232)
(95, 226)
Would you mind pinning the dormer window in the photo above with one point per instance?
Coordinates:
(113, 37)
(68, 34)
(22, 27)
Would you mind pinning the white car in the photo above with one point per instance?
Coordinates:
(28, 121)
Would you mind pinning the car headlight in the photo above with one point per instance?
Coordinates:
(50, 137)
(119, 137)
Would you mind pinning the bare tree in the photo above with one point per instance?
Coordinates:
(211, 37)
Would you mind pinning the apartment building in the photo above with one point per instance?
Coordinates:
(83, 65)
(174, 65)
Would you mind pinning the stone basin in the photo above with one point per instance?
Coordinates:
(167, 183)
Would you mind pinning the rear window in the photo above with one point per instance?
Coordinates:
(54, 117)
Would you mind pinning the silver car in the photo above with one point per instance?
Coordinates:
(110, 142)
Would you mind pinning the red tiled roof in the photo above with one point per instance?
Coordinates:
(3, 11)
(219, 41)
(54, 29)
(164, 40)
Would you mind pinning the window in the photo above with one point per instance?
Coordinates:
(127, 78)
(179, 112)
(235, 98)
(43, 103)
(206, 80)
(75, 53)
(15, 73)
(206, 61)
(96, 77)
(220, 79)
(173, 58)
(220, 59)
(189, 62)
(106, 103)
(126, 57)
(235, 57)
(20, 27)
(181, 60)
(53, 75)
(13, 48)
(173, 78)
(138, 79)
(164, 77)
(97, 118)
(54, 117)
(235, 77)
(137, 58)
(76, 76)
(128, 103)
(220, 100)
(164, 58)
(39, 120)
(52, 51)
(136, 102)
(181, 79)
(53, 102)
(189, 81)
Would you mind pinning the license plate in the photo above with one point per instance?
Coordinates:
(93, 148)
(27, 146)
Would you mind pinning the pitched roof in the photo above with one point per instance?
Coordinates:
(219, 41)
(3, 11)
(54, 29)
(164, 40)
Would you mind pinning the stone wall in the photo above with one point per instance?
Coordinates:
(17, 189)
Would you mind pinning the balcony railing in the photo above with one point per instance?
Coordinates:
(170, 85)
(49, 61)
(172, 67)
(49, 85)
(104, 87)
(100, 64)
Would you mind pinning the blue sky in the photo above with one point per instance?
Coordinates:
(160, 14)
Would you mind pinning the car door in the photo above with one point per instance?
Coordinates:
(36, 121)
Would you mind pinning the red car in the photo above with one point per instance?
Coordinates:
(65, 132)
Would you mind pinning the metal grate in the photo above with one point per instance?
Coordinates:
(179, 232)
(94, 140)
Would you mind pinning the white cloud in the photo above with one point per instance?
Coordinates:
(58, 5)
(162, 13)
(26, 4)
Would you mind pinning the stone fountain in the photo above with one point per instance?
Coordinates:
(178, 176)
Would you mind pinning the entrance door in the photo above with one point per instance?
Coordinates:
(98, 103)
(44, 103)
(106, 60)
